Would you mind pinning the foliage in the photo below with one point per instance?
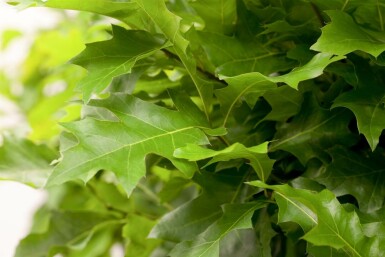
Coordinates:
(207, 128)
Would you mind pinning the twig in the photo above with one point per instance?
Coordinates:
(318, 14)
(199, 69)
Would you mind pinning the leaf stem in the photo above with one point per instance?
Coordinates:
(224, 140)
(318, 14)
(380, 16)
(207, 74)
(343, 7)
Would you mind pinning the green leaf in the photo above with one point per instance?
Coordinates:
(23, 161)
(167, 22)
(285, 102)
(312, 131)
(239, 86)
(108, 59)
(169, 25)
(235, 217)
(192, 218)
(265, 233)
(310, 70)
(135, 233)
(219, 15)
(188, 220)
(66, 229)
(360, 176)
(367, 104)
(121, 146)
(128, 12)
(324, 220)
(343, 36)
(257, 84)
(232, 56)
(7, 37)
(256, 156)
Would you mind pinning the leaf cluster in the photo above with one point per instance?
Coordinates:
(210, 128)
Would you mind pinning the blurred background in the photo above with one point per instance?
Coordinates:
(18, 202)
(36, 85)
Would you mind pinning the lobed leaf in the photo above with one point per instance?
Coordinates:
(256, 156)
(235, 217)
(367, 104)
(324, 220)
(121, 146)
(312, 131)
(360, 176)
(343, 36)
(193, 217)
(257, 84)
(108, 59)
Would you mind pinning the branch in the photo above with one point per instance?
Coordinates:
(199, 69)
(318, 14)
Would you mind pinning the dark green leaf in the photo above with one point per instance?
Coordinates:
(324, 220)
(312, 131)
(368, 105)
(235, 216)
(360, 176)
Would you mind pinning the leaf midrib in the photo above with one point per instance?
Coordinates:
(326, 223)
(124, 146)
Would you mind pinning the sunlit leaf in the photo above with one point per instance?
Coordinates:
(256, 156)
(136, 134)
(108, 59)
(343, 36)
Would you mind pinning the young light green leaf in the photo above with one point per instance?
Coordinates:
(235, 216)
(122, 146)
(343, 36)
(23, 161)
(108, 59)
(324, 220)
(256, 155)
(128, 12)
(66, 229)
(135, 233)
